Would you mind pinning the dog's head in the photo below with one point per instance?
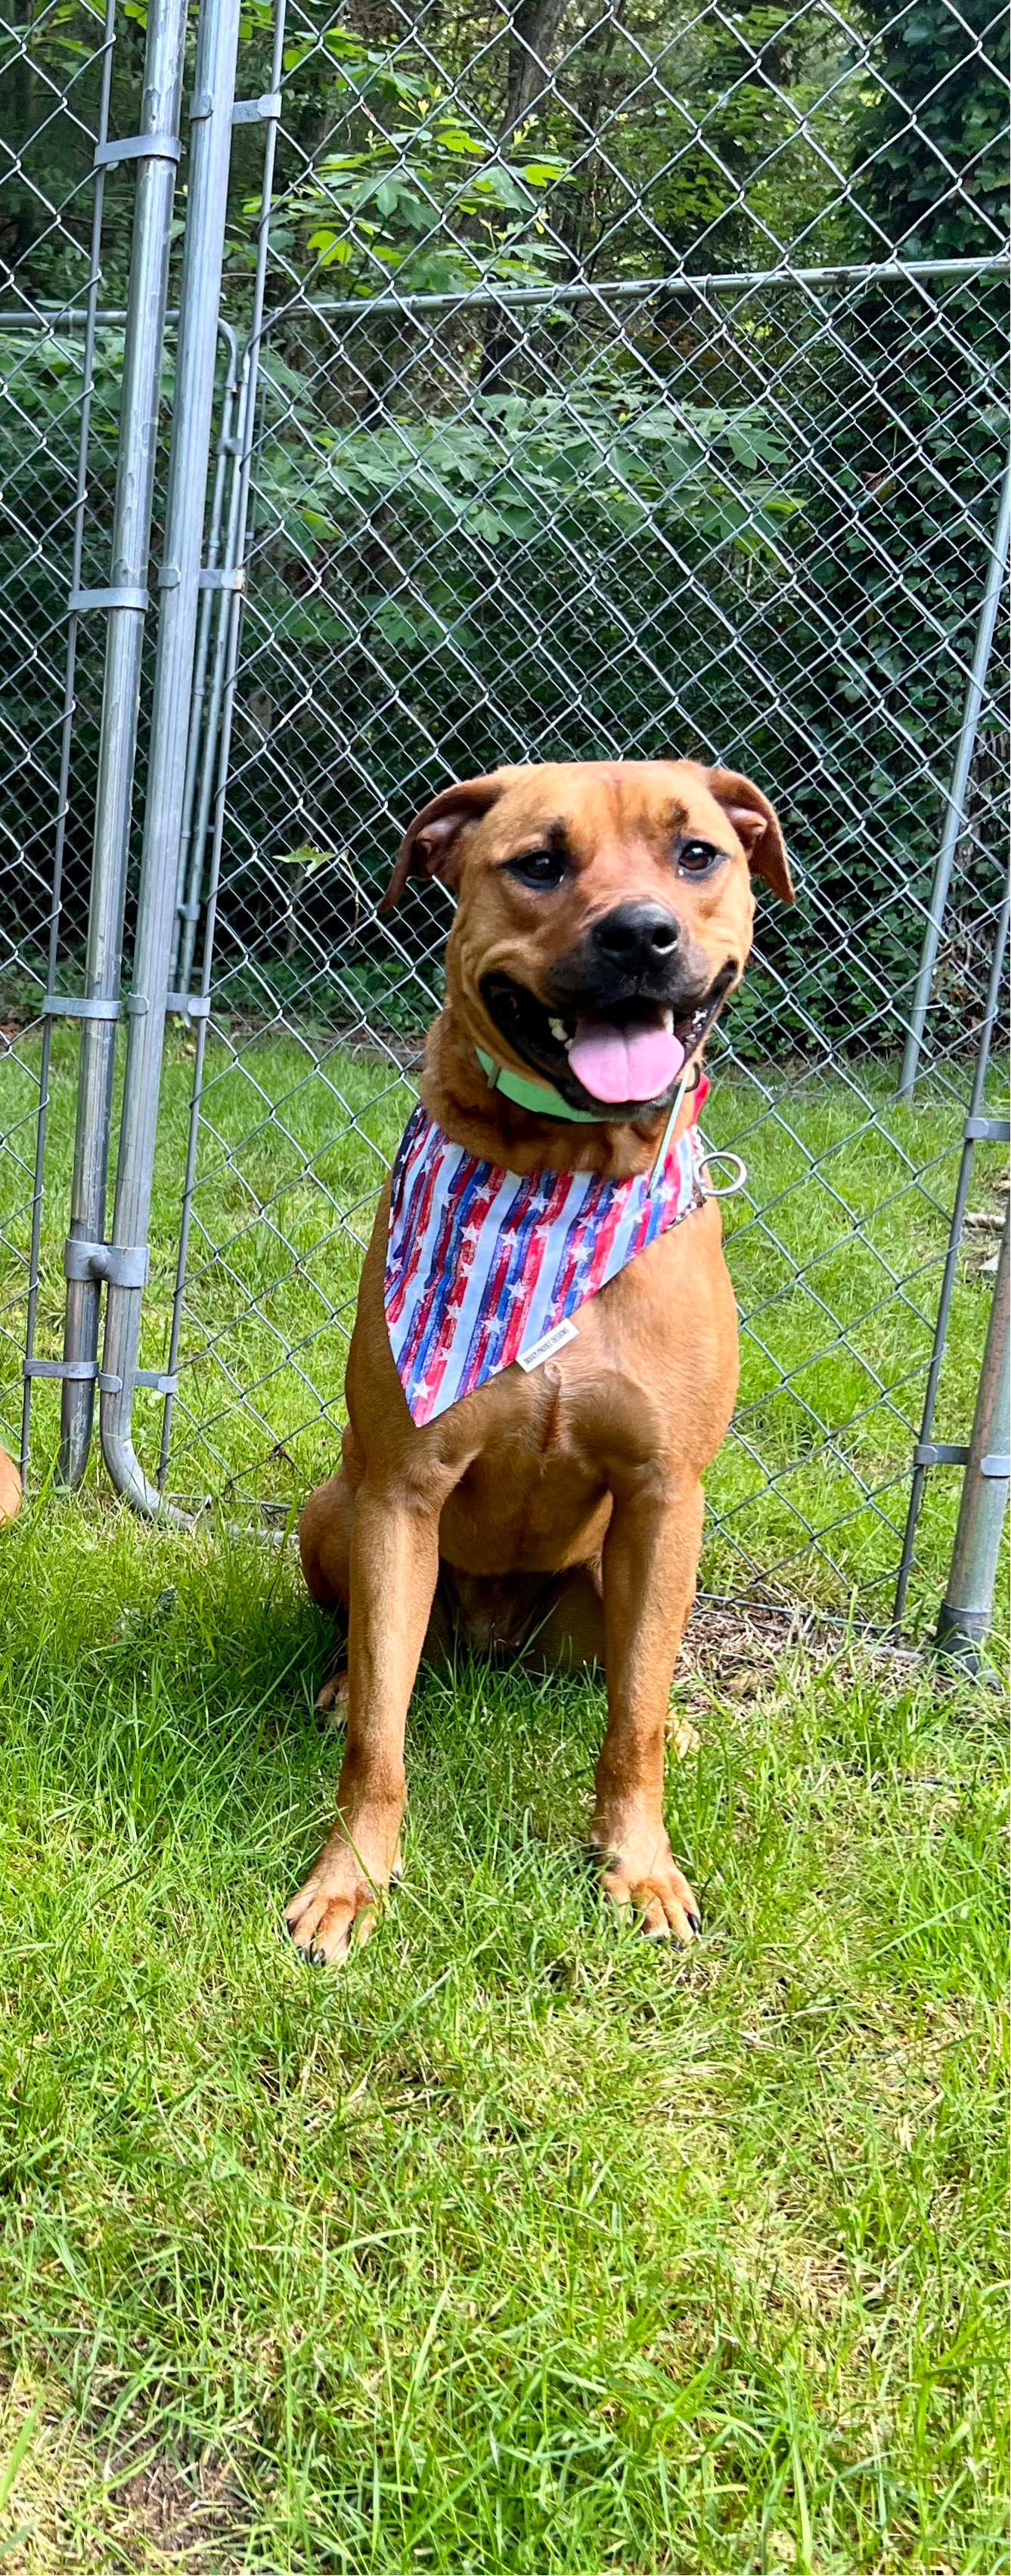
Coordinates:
(604, 913)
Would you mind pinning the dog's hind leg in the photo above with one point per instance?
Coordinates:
(570, 1634)
(324, 1537)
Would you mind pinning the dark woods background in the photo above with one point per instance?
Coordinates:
(746, 521)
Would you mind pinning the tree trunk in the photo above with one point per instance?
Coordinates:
(533, 26)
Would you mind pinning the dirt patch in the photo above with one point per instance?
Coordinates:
(165, 2512)
(738, 1645)
(74, 2506)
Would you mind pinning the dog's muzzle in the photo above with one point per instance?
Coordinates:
(603, 1048)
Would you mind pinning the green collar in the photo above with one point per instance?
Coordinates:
(549, 1103)
(540, 1096)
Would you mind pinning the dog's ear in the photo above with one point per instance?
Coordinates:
(756, 825)
(430, 846)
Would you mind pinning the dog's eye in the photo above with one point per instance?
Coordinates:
(538, 868)
(698, 858)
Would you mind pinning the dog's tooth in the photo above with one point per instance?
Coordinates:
(667, 1018)
(559, 1031)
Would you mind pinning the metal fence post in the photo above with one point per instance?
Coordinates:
(179, 582)
(957, 793)
(124, 602)
(217, 742)
(967, 1609)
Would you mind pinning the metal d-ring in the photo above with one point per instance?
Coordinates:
(730, 1188)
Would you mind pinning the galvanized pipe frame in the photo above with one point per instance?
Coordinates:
(88, 1261)
(156, 150)
(86, 1266)
(179, 585)
(929, 1453)
(218, 737)
(167, 894)
(966, 1611)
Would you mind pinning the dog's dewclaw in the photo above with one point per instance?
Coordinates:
(334, 1695)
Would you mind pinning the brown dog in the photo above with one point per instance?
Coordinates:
(604, 914)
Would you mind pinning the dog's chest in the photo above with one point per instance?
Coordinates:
(537, 1493)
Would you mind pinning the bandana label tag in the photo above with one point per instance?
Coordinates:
(547, 1346)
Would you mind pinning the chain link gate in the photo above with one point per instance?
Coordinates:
(551, 478)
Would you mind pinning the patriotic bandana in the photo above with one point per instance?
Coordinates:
(484, 1266)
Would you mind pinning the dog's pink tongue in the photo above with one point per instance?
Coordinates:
(624, 1064)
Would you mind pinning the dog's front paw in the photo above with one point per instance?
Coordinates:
(335, 1911)
(639, 1873)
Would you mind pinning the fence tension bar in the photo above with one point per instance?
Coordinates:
(206, 705)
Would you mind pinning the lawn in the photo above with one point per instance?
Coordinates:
(520, 2244)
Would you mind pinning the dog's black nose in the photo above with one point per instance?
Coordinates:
(637, 937)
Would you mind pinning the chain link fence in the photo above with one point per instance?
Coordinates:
(584, 383)
(55, 112)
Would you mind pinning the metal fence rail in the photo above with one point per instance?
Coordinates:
(512, 494)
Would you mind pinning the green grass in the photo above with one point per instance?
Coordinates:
(519, 2245)
(836, 1267)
